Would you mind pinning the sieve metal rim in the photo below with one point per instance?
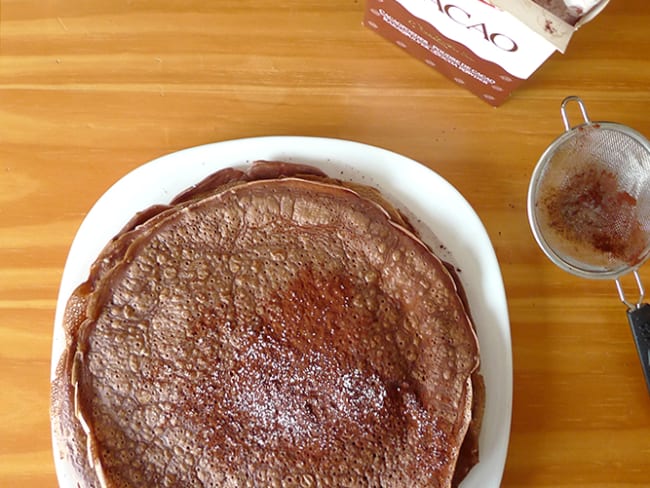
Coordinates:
(538, 172)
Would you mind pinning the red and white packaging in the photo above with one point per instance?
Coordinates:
(488, 46)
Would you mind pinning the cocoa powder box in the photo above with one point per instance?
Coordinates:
(488, 47)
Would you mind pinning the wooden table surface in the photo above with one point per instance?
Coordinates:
(92, 89)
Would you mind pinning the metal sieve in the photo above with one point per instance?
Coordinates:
(589, 209)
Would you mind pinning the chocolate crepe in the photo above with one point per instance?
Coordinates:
(269, 327)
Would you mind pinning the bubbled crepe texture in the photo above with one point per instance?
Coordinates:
(268, 330)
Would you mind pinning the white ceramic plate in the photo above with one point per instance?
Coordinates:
(432, 203)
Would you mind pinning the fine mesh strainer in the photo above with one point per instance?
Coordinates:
(589, 209)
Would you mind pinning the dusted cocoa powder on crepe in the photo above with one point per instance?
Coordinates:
(269, 327)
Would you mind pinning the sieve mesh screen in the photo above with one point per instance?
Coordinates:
(591, 200)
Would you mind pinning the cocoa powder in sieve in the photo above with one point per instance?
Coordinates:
(591, 209)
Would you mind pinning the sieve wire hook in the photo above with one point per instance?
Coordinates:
(583, 110)
(621, 293)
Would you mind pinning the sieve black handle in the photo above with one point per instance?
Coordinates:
(639, 319)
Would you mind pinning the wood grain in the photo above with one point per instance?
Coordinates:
(90, 90)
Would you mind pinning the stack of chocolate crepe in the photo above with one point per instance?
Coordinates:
(271, 326)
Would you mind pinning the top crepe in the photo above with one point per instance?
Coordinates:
(268, 328)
